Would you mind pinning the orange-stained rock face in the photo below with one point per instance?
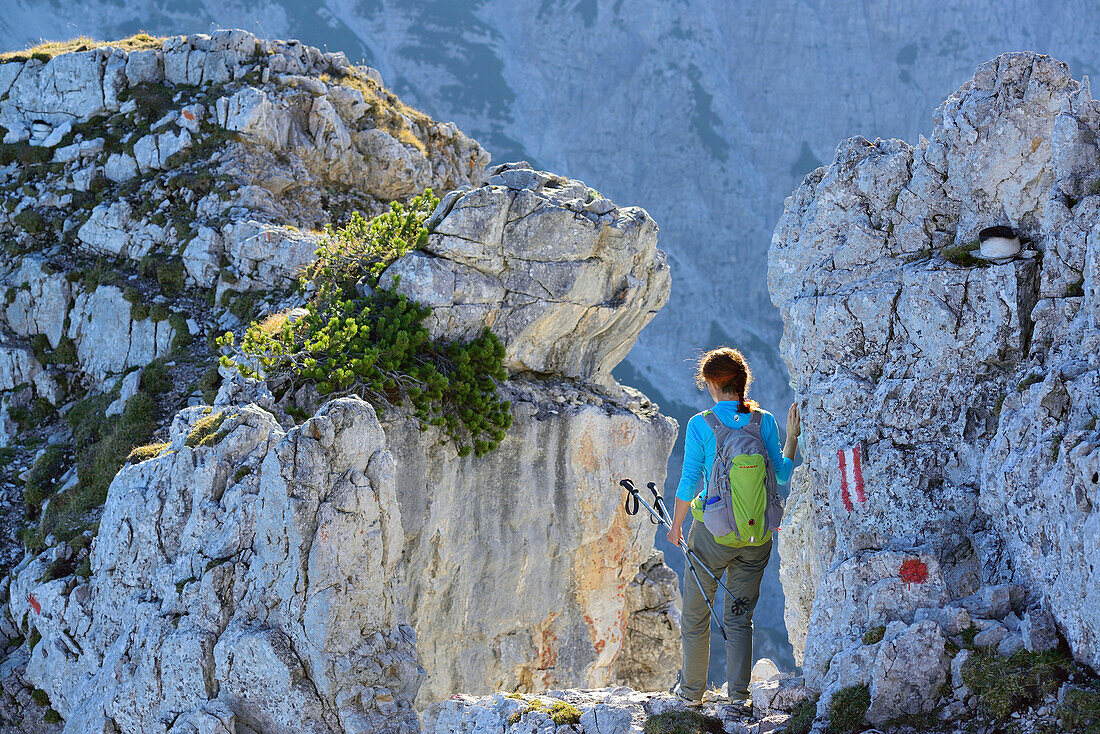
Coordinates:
(520, 561)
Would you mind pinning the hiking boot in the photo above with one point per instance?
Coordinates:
(742, 707)
(689, 702)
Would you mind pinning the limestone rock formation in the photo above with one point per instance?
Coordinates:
(266, 569)
(541, 516)
(948, 403)
(203, 163)
(244, 577)
(565, 278)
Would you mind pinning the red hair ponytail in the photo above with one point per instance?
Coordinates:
(727, 369)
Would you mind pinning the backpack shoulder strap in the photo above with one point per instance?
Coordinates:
(721, 430)
(757, 418)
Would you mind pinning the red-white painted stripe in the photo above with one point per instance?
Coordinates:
(850, 463)
(847, 498)
(857, 473)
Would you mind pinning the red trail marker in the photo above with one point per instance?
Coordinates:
(850, 463)
(913, 571)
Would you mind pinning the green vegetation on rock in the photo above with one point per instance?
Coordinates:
(960, 255)
(205, 432)
(1079, 710)
(146, 452)
(683, 722)
(848, 710)
(560, 712)
(46, 50)
(42, 478)
(356, 338)
(1007, 684)
(875, 634)
(101, 445)
(802, 717)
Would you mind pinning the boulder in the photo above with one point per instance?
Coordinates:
(108, 341)
(577, 613)
(566, 290)
(40, 302)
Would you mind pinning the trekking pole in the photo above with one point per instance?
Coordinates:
(662, 519)
(659, 502)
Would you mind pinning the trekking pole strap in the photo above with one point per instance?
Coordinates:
(633, 500)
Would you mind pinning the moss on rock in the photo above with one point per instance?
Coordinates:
(206, 430)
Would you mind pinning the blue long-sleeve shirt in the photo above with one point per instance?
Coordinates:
(699, 446)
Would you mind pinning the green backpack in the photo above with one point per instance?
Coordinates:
(741, 506)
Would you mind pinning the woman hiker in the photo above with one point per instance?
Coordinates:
(727, 376)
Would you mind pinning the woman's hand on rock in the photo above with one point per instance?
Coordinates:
(794, 421)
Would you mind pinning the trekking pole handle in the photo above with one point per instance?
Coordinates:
(659, 501)
(631, 495)
(634, 501)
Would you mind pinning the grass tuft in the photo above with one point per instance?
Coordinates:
(1008, 684)
(560, 712)
(683, 722)
(802, 717)
(146, 452)
(848, 710)
(101, 445)
(1079, 711)
(960, 255)
(42, 478)
(46, 50)
(875, 634)
(205, 430)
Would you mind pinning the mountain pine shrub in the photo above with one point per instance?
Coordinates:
(354, 338)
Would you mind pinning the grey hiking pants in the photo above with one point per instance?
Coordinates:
(744, 569)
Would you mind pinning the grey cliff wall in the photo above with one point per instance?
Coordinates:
(968, 387)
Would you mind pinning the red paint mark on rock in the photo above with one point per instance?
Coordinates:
(913, 571)
(188, 115)
(34, 604)
(857, 473)
(847, 498)
(850, 463)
